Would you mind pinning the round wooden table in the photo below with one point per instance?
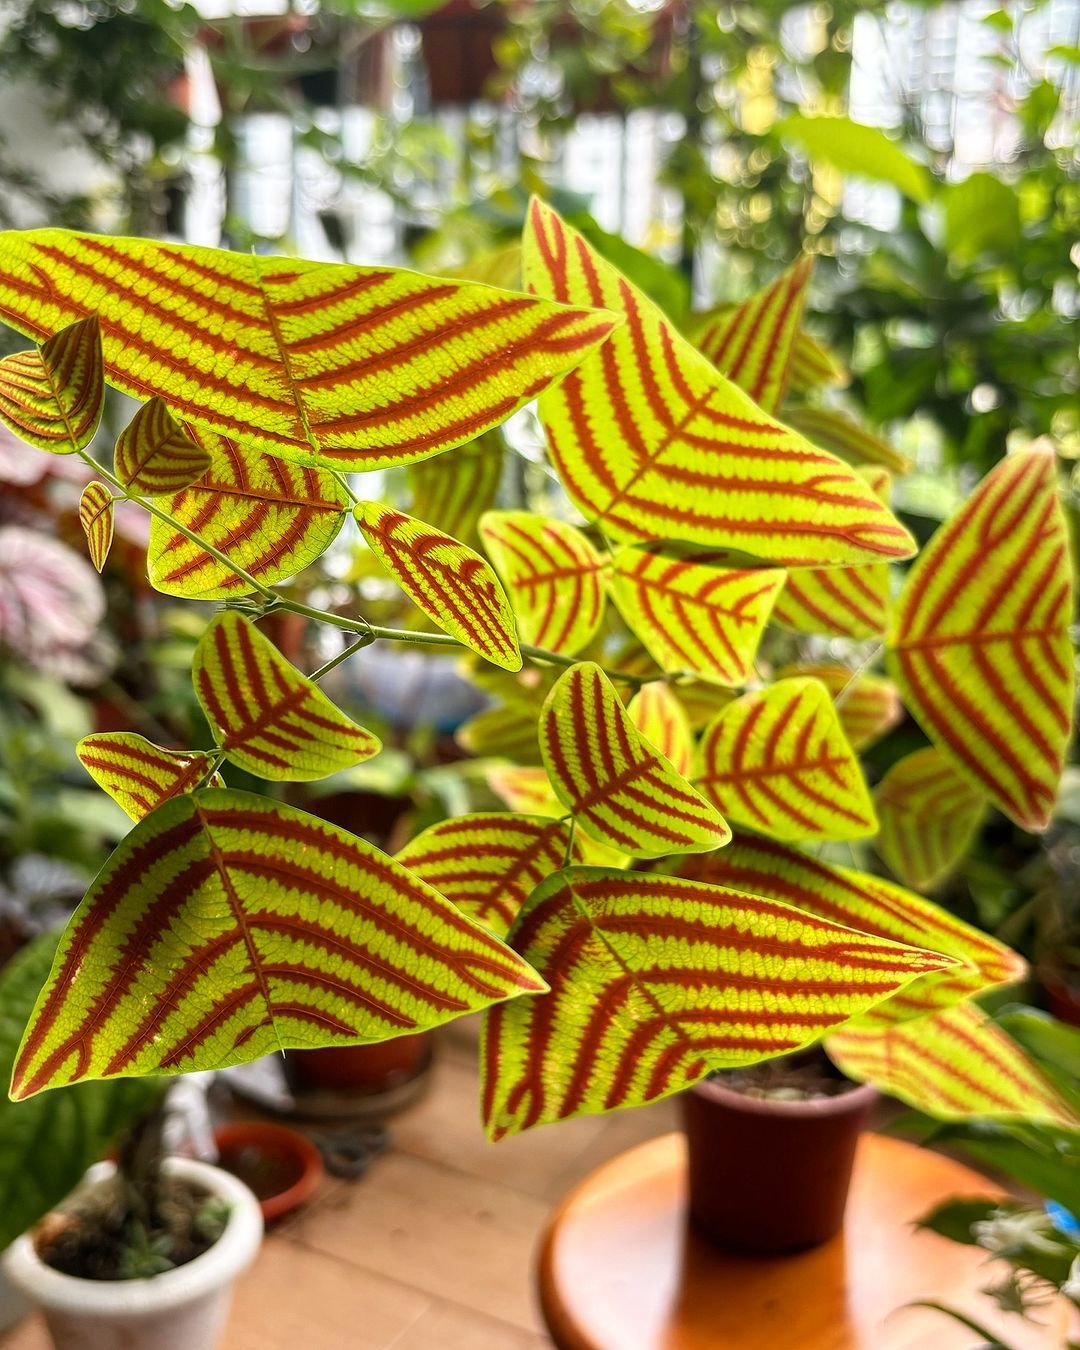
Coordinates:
(620, 1270)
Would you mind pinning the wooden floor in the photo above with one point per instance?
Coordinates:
(433, 1248)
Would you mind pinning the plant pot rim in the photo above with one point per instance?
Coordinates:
(860, 1097)
(231, 1254)
(277, 1139)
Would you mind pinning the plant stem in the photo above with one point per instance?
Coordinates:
(365, 640)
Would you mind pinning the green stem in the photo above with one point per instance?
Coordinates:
(365, 640)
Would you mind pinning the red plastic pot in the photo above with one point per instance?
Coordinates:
(364, 1070)
(769, 1176)
(281, 1166)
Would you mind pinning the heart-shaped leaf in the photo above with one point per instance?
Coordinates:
(138, 774)
(53, 396)
(929, 815)
(155, 455)
(96, 519)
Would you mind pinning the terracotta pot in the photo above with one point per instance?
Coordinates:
(281, 1167)
(457, 43)
(366, 1070)
(769, 1176)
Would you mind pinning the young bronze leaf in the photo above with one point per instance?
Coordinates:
(270, 517)
(155, 455)
(656, 980)
(954, 1065)
(271, 720)
(840, 433)
(454, 491)
(980, 642)
(488, 864)
(657, 713)
(96, 519)
(52, 396)
(929, 815)
(653, 442)
(620, 789)
(777, 760)
(329, 365)
(227, 926)
(454, 586)
(138, 774)
(693, 617)
(869, 706)
(553, 575)
(753, 344)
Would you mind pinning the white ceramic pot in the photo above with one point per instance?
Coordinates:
(13, 1306)
(181, 1309)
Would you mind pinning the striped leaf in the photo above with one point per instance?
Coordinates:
(692, 617)
(954, 1065)
(328, 365)
(488, 864)
(553, 576)
(929, 815)
(138, 774)
(702, 702)
(454, 492)
(869, 705)
(621, 790)
(96, 519)
(52, 396)
(454, 586)
(525, 789)
(754, 343)
(814, 365)
(778, 761)
(507, 731)
(657, 713)
(227, 926)
(271, 720)
(657, 980)
(652, 442)
(840, 433)
(269, 517)
(980, 642)
(155, 455)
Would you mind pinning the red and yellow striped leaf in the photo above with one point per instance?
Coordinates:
(621, 790)
(872, 905)
(329, 365)
(270, 517)
(657, 713)
(929, 815)
(488, 864)
(553, 576)
(227, 926)
(753, 344)
(525, 789)
(702, 702)
(814, 365)
(654, 443)
(155, 455)
(454, 491)
(840, 433)
(96, 518)
(980, 642)
(778, 761)
(869, 705)
(52, 396)
(454, 586)
(656, 980)
(507, 731)
(693, 617)
(271, 720)
(138, 774)
(954, 1065)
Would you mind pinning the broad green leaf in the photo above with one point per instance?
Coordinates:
(49, 1143)
(329, 365)
(453, 585)
(1055, 1043)
(268, 516)
(651, 441)
(657, 980)
(52, 396)
(271, 720)
(853, 148)
(692, 617)
(657, 713)
(981, 214)
(621, 790)
(838, 432)
(138, 774)
(155, 455)
(869, 705)
(96, 519)
(488, 864)
(778, 761)
(929, 815)
(553, 576)
(980, 641)
(227, 926)
(454, 491)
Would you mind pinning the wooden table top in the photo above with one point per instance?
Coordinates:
(619, 1269)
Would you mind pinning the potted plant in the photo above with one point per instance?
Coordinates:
(229, 923)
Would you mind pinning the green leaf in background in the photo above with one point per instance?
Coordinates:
(1055, 1043)
(48, 1143)
(982, 214)
(853, 148)
(665, 287)
(953, 1218)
